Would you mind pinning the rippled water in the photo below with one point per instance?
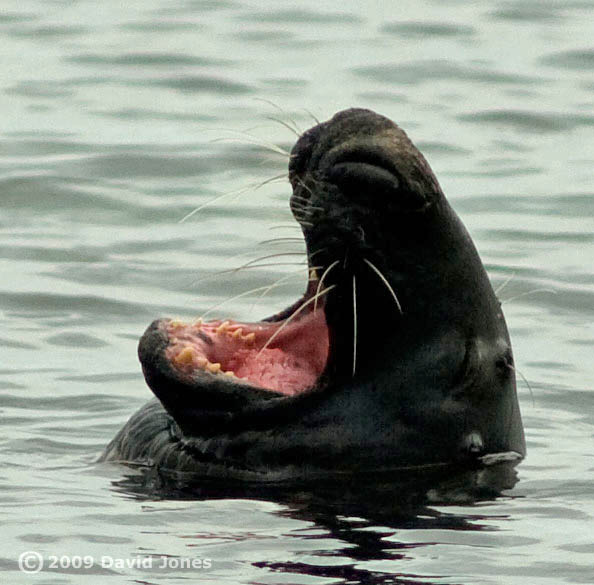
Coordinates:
(119, 119)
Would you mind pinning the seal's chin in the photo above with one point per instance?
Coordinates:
(280, 355)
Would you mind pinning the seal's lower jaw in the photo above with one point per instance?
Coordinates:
(277, 357)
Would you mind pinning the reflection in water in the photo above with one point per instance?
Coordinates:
(360, 513)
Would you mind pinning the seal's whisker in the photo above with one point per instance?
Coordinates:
(275, 241)
(300, 214)
(311, 208)
(273, 148)
(255, 186)
(221, 272)
(309, 112)
(505, 283)
(209, 202)
(300, 198)
(300, 206)
(282, 111)
(302, 184)
(304, 202)
(525, 381)
(291, 226)
(291, 275)
(316, 252)
(297, 245)
(530, 292)
(249, 139)
(253, 260)
(274, 179)
(312, 179)
(237, 192)
(268, 257)
(281, 281)
(509, 425)
(294, 315)
(294, 130)
(386, 283)
(322, 279)
(354, 325)
(267, 264)
(301, 218)
(279, 254)
(295, 196)
(234, 298)
(240, 268)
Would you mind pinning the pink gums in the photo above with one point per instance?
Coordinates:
(290, 363)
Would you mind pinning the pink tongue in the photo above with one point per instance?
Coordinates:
(274, 369)
(285, 358)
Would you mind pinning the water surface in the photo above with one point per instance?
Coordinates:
(120, 119)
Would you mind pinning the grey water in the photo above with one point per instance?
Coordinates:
(121, 118)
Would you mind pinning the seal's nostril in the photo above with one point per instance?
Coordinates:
(361, 180)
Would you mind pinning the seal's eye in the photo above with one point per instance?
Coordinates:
(361, 179)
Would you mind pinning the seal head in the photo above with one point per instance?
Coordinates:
(397, 355)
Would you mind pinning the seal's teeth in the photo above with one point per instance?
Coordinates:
(313, 274)
(237, 333)
(250, 338)
(185, 356)
(229, 373)
(176, 323)
(213, 368)
(201, 362)
(222, 327)
(198, 322)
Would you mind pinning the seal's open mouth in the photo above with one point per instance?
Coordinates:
(279, 355)
(206, 366)
(298, 349)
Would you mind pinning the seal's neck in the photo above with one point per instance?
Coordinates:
(432, 281)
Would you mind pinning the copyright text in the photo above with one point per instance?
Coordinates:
(34, 562)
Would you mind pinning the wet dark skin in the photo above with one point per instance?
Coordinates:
(419, 367)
